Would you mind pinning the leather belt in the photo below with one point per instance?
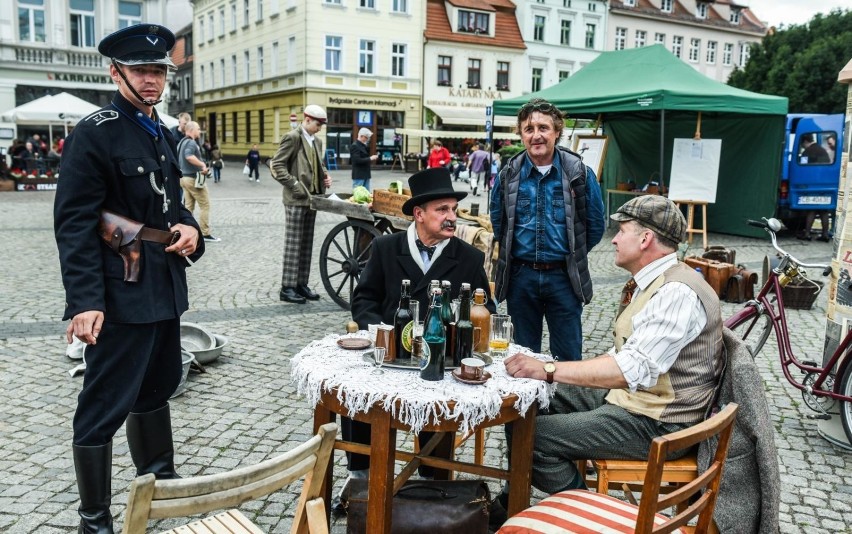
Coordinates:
(156, 236)
(541, 266)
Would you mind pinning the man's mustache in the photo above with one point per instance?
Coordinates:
(447, 225)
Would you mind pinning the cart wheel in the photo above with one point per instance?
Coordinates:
(343, 255)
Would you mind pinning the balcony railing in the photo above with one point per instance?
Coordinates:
(32, 55)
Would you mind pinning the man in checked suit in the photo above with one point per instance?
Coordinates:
(298, 167)
(427, 250)
(661, 373)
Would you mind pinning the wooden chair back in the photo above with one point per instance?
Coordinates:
(721, 425)
(154, 499)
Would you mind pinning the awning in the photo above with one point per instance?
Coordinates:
(474, 116)
(455, 134)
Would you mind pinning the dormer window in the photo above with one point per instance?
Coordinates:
(666, 6)
(701, 11)
(630, 3)
(735, 16)
(472, 22)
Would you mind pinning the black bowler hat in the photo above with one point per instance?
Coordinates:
(430, 184)
(140, 44)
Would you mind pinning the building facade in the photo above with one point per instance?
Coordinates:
(258, 63)
(561, 37)
(180, 93)
(713, 36)
(474, 54)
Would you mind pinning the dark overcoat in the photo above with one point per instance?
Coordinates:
(376, 298)
(359, 155)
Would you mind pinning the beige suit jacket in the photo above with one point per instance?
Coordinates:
(294, 169)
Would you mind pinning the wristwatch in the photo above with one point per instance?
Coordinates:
(549, 368)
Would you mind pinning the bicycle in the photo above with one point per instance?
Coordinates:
(821, 387)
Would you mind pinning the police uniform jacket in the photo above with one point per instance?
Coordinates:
(109, 162)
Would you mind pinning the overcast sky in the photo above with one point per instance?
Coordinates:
(788, 12)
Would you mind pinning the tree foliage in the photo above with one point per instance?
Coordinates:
(801, 62)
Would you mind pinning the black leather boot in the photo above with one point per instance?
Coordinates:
(149, 436)
(93, 466)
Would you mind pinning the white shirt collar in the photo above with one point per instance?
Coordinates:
(650, 272)
(307, 136)
(415, 252)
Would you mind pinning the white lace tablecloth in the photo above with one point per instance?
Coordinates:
(323, 366)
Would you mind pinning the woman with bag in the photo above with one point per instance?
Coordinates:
(216, 158)
(193, 182)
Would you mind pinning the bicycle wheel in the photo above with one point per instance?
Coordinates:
(846, 407)
(752, 326)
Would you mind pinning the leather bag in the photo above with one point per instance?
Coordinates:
(426, 507)
(740, 286)
(721, 253)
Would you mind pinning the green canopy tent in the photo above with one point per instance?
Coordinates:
(647, 97)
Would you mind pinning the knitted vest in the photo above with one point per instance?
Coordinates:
(683, 394)
(574, 192)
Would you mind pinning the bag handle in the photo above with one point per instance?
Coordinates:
(441, 495)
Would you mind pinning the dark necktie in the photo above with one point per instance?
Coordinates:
(423, 248)
(627, 295)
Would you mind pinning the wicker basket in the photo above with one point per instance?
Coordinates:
(803, 296)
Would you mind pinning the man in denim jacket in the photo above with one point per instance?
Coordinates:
(547, 213)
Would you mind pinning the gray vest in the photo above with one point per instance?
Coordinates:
(574, 192)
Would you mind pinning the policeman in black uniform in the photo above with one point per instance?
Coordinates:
(122, 159)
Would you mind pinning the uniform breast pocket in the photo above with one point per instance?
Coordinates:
(136, 174)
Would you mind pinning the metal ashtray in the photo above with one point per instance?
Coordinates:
(194, 338)
(209, 355)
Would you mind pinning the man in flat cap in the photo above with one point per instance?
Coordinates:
(125, 302)
(298, 166)
(660, 374)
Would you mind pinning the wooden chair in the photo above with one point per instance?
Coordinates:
(154, 499)
(579, 510)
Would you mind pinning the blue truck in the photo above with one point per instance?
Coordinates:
(810, 170)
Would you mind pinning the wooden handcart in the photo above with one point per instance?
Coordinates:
(348, 245)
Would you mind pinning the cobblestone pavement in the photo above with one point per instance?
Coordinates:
(245, 408)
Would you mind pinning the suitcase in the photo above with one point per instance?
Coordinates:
(716, 273)
(721, 253)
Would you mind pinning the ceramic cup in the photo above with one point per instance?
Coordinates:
(472, 368)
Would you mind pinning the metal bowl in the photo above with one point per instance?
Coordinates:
(209, 355)
(195, 338)
(186, 360)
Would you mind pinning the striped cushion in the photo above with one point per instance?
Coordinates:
(576, 511)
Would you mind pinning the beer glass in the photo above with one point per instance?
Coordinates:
(501, 335)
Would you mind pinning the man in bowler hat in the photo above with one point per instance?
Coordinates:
(427, 250)
(122, 159)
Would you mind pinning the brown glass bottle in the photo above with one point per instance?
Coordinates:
(481, 319)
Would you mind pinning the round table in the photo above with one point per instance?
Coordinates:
(339, 381)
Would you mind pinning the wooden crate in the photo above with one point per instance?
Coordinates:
(389, 203)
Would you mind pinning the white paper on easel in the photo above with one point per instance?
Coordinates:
(695, 170)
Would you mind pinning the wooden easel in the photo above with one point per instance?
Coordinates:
(398, 159)
(690, 219)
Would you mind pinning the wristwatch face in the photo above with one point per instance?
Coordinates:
(550, 367)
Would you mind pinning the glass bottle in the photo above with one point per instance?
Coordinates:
(401, 319)
(435, 338)
(481, 319)
(448, 318)
(464, 328)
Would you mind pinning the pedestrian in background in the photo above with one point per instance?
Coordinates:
(178, 130)
(298, 167)
(547, 213)
(438, 156)
(359, 154)
(194, 181)
(477, 164)
(216, 162)
(253, 161)
(121, 158)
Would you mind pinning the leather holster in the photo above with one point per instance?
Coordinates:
(125, 236)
